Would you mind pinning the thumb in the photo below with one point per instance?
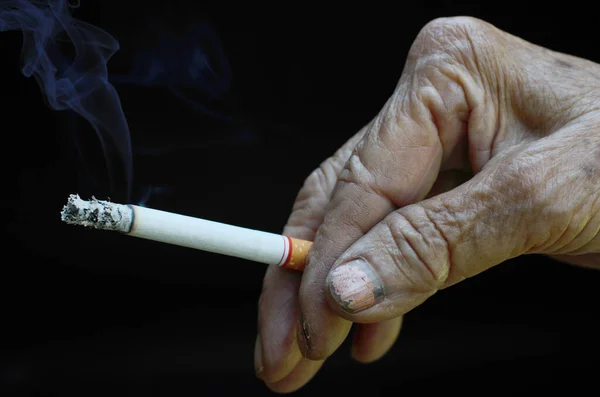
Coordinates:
(503, 212)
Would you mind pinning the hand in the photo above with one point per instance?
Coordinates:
(488, 149)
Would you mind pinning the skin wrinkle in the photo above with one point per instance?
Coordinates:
(468, 221)
(499, 127)
(303, 202)
(398, 237)
(417, 109)
(325, 176)
(546, 245)
(592, 170)
(369, 188)
(455, 77)
(578, 107)
(397, 258)
(448, 247)
(564, 105)
(462, 231)
(355, 222)
(473, 51)
(335, 164)
(563, 249)
(584, 229)
(355, 166)
(596, 218)
(478, 217)
(419, 187)
(433, 118)
(387, 152)
(436, 120)
(582, 204)
(310, 222)
(527, 92)
(411, 146)
(391, 117)
(322, 177)
(402, 117)
(485, 81)
(557, 100)
(522, 193)
(309, 202)
(587, 107)
(501, 100)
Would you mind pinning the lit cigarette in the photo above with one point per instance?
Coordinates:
(185, 231)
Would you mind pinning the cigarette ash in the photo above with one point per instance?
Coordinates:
(98, 214)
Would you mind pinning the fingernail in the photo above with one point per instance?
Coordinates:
(258, 365)
(355, 286)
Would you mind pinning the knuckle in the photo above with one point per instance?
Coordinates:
(463, 51)
(356, 171)
(421, 250)
(366, 172)
(449, 67)
(454, 22)
(445, 26)
(455, 37)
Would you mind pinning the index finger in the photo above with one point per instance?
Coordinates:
(363, 196)
(395, 164)
(277, 353)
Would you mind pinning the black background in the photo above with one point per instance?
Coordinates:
(94, 313)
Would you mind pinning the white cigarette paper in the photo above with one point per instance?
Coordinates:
(186, 231)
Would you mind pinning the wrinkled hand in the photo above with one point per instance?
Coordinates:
(488, 149)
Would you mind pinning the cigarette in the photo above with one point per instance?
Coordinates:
(171, 228)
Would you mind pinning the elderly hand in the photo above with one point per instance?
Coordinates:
(488, 149)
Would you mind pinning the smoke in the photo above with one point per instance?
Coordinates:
(189, 61)
(192, 65)
(68, 58)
